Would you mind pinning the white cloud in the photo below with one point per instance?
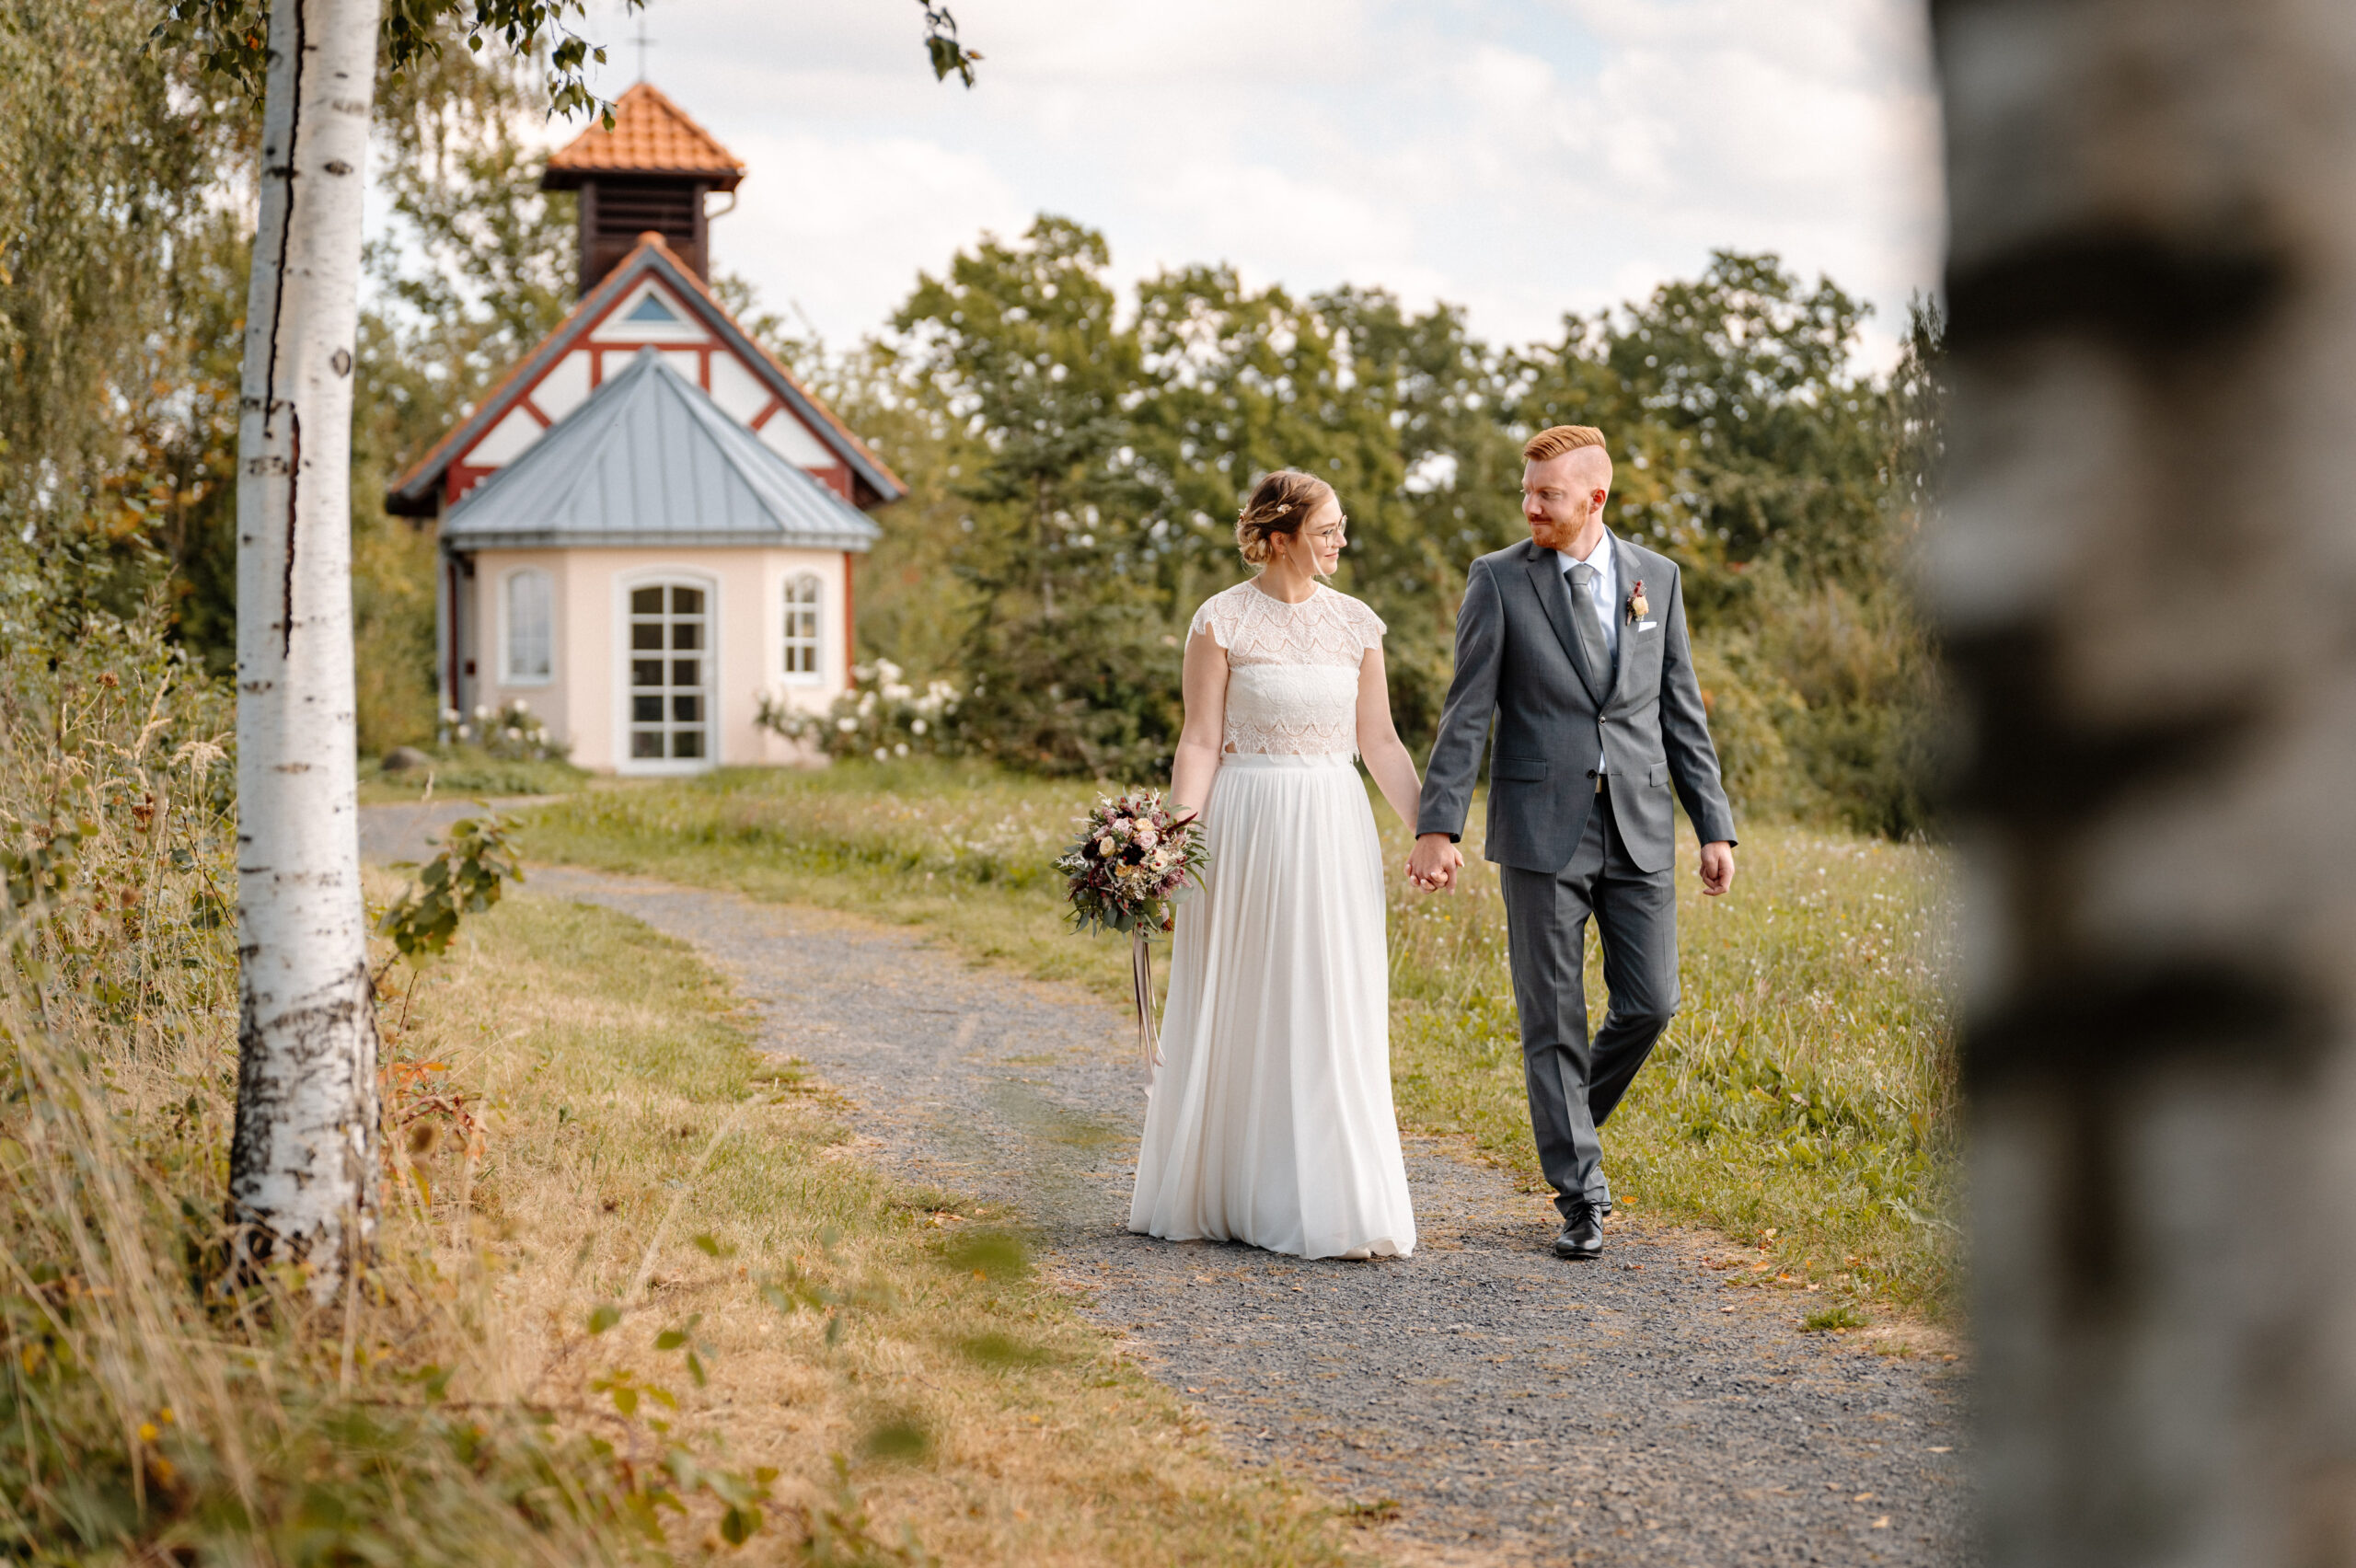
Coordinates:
(1518, 156)
(841, 226)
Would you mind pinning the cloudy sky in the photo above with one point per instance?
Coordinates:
(1520, 158)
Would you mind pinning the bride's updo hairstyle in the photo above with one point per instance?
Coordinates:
(1279, 504)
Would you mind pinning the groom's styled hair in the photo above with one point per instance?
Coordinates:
(1559, 439)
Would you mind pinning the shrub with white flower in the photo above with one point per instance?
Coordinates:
(511, 733)
(883, 716)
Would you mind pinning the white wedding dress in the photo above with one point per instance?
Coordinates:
(1270, 1119)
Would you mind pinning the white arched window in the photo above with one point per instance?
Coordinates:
(530, 641)
(801, 627)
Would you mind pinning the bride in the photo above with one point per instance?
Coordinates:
(1270, 1120)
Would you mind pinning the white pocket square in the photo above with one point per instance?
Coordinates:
(1648, 626)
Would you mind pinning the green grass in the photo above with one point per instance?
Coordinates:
(1805, 1095)
(1832, 1320)
(1803, 1102)
(471, 770)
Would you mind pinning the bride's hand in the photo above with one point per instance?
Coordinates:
(1433, 864)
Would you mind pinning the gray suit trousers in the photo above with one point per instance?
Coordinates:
(1574, 1082)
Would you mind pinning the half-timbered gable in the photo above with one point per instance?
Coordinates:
(649, 300)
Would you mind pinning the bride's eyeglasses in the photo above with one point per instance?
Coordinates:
(1333, 535)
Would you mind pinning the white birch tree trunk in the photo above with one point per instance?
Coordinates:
(2147, 581)
(303, 1162)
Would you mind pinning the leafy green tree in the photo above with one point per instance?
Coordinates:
(1397, 411)
(478, 264)
(1735, 398)
(1752, 449)
(110, 238)
(1068, 643)
(1083, 475)
(1445, 490)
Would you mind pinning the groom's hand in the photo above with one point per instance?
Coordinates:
(1717, 868)
(1432, 865)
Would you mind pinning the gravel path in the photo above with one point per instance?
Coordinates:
(1515, 1408)
(392, 833)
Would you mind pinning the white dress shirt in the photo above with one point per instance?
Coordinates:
(1604, 590)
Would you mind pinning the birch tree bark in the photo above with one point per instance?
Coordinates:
(2147, 581)
(303, 1161)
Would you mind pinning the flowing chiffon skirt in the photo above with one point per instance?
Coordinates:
(1270, 1119)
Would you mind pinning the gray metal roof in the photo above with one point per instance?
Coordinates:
(650, 460)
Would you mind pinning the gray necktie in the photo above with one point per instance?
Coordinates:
(1589, 624)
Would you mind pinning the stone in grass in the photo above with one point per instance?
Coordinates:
(400, 759)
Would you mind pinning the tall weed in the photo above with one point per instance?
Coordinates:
(148, 1410)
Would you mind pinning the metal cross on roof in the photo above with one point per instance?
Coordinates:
(643, 43)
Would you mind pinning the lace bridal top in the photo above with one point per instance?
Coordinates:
(1292, 670)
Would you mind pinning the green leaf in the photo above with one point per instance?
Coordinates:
(604, 1317)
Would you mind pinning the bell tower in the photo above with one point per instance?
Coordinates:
(648, 174)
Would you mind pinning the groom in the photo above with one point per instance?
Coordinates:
(1576, 643)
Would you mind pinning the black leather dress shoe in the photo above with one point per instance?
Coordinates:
(1582, 1236)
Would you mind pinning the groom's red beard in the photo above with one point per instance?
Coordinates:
(1554, 533)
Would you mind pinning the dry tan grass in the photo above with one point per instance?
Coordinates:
(156, 1411)
(634, 1156)
(577, 1123)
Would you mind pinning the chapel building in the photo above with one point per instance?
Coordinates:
(648, 528)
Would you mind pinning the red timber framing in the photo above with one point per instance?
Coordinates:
(442, 475)
(850, 619)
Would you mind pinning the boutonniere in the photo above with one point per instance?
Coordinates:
(1637, 607)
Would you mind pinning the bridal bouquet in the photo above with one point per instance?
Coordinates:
(1134, 860)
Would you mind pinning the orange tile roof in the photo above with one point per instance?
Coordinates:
(650, 135)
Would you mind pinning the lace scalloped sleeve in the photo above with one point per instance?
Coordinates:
(1214, 618)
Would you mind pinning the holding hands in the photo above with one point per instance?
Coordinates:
(1432, 865)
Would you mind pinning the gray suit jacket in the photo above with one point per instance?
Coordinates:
(1519, 657)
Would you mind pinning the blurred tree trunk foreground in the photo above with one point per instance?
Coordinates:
(2146, 578)
(303, 1161)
